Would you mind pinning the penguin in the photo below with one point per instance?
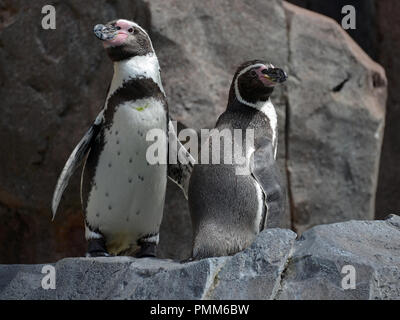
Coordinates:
(122, 193)
(229, 207)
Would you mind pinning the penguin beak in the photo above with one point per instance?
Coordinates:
(275, 75)
(105, 33)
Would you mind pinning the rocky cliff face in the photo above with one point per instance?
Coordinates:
(380, 39)
(336, 120)
(275, 266)
(53, 84)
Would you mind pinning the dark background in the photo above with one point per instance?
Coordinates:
(52, 85)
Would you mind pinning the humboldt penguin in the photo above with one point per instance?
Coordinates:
(122, 193)
(228, 205)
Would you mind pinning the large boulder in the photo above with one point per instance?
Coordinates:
(380, 38)
(317, 267)
(336, 100)
(275, 266)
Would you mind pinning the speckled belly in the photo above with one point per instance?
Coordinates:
(127, 199)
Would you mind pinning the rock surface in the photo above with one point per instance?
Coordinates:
(275, 266)
(329, 134)
(335, 125)
(380, 38)
(371, 247)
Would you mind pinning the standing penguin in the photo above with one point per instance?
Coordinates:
(228, 208)
(123, 194)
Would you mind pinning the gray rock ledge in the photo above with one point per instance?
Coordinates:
(275, 266)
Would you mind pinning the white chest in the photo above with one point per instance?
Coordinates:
(129, 195)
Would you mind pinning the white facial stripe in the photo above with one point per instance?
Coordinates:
(237, 93)
(265, 107)
(134, 24)
(257, 65)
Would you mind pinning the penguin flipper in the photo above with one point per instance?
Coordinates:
(180, 171)
(266, 172)
(75, 160)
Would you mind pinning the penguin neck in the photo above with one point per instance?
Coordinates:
(264, 106)
(260, 104)
(138, 67)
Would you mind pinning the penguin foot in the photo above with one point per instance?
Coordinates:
(97, 254)
(147, 250)
(190, 259)
(97, 248)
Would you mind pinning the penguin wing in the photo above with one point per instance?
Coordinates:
(180, 171)
(75, 160)
(266, 173)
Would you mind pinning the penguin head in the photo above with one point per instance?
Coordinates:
(255, 80)
(124, 39)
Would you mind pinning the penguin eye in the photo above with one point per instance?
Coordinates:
(118, 28)
(130, 30)
(253, 73)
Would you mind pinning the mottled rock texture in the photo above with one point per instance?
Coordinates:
(315, 269)
(275, 266)
(335, 124)
(53, 84)
(380, 38)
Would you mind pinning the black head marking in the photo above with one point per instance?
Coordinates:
(254, 81)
